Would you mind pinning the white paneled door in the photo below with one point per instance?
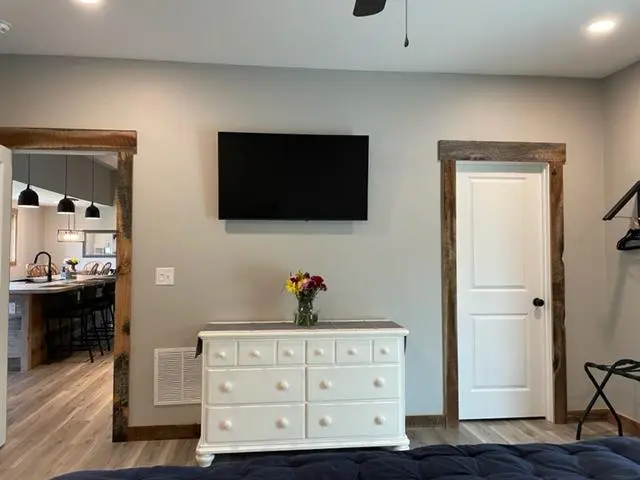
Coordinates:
(5, 238)
(502, 307)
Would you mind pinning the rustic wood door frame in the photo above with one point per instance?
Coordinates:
(553, 154)
(125, 144)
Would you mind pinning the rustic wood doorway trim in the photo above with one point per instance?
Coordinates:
(124, 143)
(554, 154)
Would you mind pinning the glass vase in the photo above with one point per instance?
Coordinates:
(305, 315)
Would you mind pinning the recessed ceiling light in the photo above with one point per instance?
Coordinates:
(602, 27)
(89, 2)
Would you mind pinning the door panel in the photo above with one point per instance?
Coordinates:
(5, 242)
(504, 367)
(500, 252)
(496, 232)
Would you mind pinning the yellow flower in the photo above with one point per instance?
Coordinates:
(292, 287)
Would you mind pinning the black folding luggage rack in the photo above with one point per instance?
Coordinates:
(626, 368)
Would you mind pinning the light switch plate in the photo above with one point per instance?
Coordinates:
(165, 275)
(12, 308)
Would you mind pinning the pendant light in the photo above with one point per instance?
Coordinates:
(70, 235)
(92, 211)
(28, 198)
(66, 206)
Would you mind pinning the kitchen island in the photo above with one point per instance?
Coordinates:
(27, 327)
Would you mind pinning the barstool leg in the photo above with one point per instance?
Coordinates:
(105, 328)
(47, 336)
(70, 336)
(97, 332)
(85, 338)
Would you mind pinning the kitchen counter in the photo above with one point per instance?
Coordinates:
(27, 325)
(58, 286)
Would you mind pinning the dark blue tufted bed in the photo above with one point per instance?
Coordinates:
(607, 459)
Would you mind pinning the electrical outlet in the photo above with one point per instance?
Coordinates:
(12, 308)
(165, 276)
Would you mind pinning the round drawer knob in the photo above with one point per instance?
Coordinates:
(227, 387)
(289, 353)
(226, 425)
(353, 351)
(384, 351)
(282, 423)
(283, 385)
(256, 354)
(325, 421)
(380, 420)
(379, 382)
(325, 384)
(319, 352)
(221, 355)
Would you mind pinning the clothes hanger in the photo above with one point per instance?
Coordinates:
(631, 241)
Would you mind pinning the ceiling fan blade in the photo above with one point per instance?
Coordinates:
(365, 8)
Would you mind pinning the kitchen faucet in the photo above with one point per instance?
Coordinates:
(48, 265)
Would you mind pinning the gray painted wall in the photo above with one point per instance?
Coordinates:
(47, 171)
(387, 267)
(621, 330)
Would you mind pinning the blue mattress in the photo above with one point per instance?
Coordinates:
(606, 459)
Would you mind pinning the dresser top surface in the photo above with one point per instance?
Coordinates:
(342, 326)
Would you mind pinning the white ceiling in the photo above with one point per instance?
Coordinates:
(519, 37)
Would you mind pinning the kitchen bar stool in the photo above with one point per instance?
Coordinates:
(102, 309)
(91, 268)
(71, 324)
(88, 301)
(65, 326)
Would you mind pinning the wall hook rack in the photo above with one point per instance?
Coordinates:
(635, 190)
(631, 240)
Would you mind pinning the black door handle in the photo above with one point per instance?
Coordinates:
(538, 302)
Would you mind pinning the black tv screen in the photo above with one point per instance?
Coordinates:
(292, 176)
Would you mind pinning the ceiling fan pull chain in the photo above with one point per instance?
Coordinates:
(406, 23)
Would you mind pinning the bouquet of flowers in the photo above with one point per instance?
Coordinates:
(305, 287)
(72, 262)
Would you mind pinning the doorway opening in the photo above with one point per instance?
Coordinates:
(86, 263)
(553, 157)
(62, 279)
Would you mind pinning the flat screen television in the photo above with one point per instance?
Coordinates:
(270, 176)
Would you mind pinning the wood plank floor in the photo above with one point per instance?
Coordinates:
(60, 421)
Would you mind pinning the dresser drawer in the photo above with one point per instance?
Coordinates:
(320, 352)
(326, 384)
(253, 424)
(344, 420)
(291, 352)
(386, 350)
(269, 385)
(221, 354)
(353, 351)
(256, 352)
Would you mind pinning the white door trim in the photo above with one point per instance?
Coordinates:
(548, 295)
(5, 241)
(547, 312)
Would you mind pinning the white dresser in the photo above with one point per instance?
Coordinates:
(275, 386)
